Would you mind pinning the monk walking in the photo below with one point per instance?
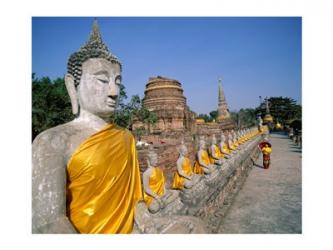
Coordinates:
(266, 149)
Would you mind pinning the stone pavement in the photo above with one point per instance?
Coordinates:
(271, 199)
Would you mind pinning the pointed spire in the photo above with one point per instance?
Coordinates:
(267, 107)
(221, 92)
(222, 110)
(95, 35)
(93, 48)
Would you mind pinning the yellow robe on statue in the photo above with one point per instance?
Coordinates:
(241, 141)
(104, 183)
(226, 148)
(178, 181)
(198, 169)
(231, 146)
(217, 154)
(156, 184)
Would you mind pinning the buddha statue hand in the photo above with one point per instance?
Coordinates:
(207, 170)
(219, 162)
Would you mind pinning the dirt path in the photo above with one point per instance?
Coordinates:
(271, 199)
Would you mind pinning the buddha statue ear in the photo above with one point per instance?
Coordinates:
(70, 86)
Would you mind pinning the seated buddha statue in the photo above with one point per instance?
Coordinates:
(230, 142)
(155, 195)
(85, 173)
(215, 155)
(203, 164)
(244, 135)
(184, 176)
(223, 146)
(234, 138)
(240, 138)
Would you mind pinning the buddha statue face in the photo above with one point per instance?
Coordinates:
(152, 159)
(183, 150)
(213, 140)
(202, 144)
(99, 87)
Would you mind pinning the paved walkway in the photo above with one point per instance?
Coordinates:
(271, 199)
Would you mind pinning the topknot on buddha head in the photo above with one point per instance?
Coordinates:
(94, 48)
(182, 149)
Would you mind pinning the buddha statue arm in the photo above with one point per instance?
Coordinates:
(49, 188)
(180, 169)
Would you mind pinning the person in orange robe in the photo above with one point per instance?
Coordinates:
(266, 149)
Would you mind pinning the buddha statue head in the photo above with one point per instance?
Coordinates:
(182, 149)
(202, 143)
(223, 138)
(152, 158)
(93, 77)
(213, 140)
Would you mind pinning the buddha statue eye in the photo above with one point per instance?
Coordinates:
(103, 79)
(118, 80)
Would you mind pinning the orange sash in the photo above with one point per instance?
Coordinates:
(104, 182)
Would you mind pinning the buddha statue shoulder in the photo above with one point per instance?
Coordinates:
(81, 169)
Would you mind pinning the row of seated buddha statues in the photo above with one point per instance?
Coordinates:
(187, 175)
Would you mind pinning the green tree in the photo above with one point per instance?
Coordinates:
(133, 110)
(50, 104)
(283, 109)
(206, 117)
(213, 115)
(244, 117)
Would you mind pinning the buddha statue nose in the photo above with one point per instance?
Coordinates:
(113, 90)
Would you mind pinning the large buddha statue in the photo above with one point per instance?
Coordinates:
(216, 156)
(85, 174)
(156, 196)
(184, 176)
(203, 164)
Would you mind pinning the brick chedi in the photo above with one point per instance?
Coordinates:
(165, 97)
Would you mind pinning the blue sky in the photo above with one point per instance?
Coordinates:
(255, 56)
